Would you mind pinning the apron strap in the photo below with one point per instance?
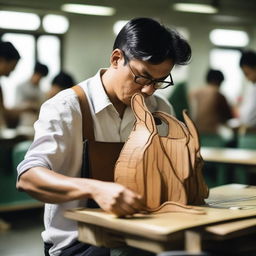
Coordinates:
(87, 125)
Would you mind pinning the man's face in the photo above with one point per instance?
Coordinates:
(125, 86)
(250, 73)
(7, 66)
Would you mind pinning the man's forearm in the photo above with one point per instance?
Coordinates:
(51, 187)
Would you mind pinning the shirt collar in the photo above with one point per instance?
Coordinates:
(99, 98)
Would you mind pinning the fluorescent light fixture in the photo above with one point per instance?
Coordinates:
(198, 8)
(226, 37)
(19, 20)
(57, 24)
(88, 9)
(227, 18)
(119, 25)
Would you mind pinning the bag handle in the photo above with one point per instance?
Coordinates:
(87, 121)
(141, 112)
(176, 129)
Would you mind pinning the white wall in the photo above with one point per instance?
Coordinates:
(88, 45)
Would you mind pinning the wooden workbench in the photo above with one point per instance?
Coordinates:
(231, 214)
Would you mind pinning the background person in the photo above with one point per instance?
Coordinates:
(29, 92)
(210, 109)
(60, 82)
(9, 57)
(29, 96)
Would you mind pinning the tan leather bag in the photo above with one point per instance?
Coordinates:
(165, 170)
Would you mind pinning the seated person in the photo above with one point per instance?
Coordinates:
(210, 109)
(29, 92)
(30, 96)
(60, 82)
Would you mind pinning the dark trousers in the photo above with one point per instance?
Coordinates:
(79, 249)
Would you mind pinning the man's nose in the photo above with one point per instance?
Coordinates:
(148, 89)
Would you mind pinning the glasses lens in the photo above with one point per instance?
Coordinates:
(143, 81)
(161, 85)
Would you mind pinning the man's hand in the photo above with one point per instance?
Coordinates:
(115, 198)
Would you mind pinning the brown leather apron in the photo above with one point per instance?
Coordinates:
(99, 158)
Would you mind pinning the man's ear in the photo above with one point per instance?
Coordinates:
(116, 57)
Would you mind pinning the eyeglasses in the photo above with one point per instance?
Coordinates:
(157, 84)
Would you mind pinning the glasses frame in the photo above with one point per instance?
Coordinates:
(152, 81)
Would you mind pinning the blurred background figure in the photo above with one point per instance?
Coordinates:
(29, 92)
(247, 113)
(29, 95)
(9, 57)
(210, 109)
(60, 82)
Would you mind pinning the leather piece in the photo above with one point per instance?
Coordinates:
(101, 163)
(166, 171)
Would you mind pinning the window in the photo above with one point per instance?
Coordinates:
(226, 58)
(32, 46)
(49, 53)
(230, 38)
(47, 47)
(55, 24)
(19, 20)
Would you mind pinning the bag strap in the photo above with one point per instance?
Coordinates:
(87, 121)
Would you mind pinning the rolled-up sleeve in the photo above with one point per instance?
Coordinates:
(58, 140)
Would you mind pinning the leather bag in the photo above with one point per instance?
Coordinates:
(165, 170)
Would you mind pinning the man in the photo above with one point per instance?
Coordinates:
(9, 57)
(248, 109)
(210, 108)
(143, 56)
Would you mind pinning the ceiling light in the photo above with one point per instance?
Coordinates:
(198, 8)
(88, 9)
(55, 24)
(226, 37)
(19, 20)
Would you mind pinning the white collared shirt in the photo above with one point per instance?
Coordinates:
(58, 146)
(248, 107)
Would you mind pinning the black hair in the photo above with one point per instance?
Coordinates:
(63, 80)
(147, 40)
(214, 76)
(41, 69)
(8, 51)
(248, 58)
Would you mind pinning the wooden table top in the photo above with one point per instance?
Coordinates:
(229, 155)
(229, 202)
